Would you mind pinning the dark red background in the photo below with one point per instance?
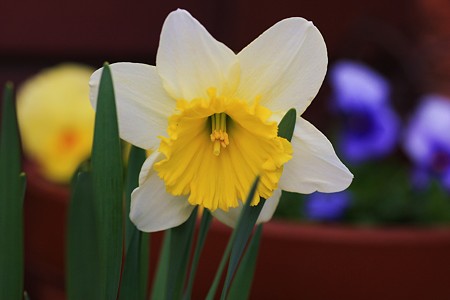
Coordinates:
(324, 263)
(295, 261)
(38, 34)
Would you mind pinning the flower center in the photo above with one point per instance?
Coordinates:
(440, 161)
(67, 140)
(219, 135)
(215, 148)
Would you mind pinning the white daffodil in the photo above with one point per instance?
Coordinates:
(212, 118)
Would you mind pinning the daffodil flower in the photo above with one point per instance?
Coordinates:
(56, 120)
(212, 115)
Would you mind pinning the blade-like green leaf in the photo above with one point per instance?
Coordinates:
(287, 124)
(131, 282)
(82, 244)
(135, 160)
(246, 221)
(159, 285)
(241, 234)
(108, 192)
(135, 272)
(12, 190)
(135, 164)
(226, 254)
(144, 262)
(204, 227)
(242, 282)
(10, 149)
(180, 250)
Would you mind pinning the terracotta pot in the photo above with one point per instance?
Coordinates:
(295, 262)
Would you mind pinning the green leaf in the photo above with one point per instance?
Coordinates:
(180, 250)
(159, 285)
(135, 272)
(237, 242)
(175, 253)
(108, 192)
(204, 227)
(136, 159)
(136, 265)
(241, 234)
(242, 282)
(287, 124)
(144, 261)
(226, 254)
(82, 244)
(12, 191)
(10, 149)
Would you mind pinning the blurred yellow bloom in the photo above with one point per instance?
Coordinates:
(56, 120)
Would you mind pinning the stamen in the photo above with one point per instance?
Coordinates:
(216, 150)
(223, 122)
(219, 134)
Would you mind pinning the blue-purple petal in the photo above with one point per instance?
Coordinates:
(361, 96)
(427, 138)
(327, 206)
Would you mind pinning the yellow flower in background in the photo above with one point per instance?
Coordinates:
(212, 118)
(56, 120)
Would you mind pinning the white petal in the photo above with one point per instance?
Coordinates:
(285, 66)
(314, 165)
(269, 207)
(152, 208)
(231, 217)
(143, 106)
(190, 60)
(147, 166)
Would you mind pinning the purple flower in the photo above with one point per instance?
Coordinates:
(326, 206)
(427, 140)
(370, 125)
